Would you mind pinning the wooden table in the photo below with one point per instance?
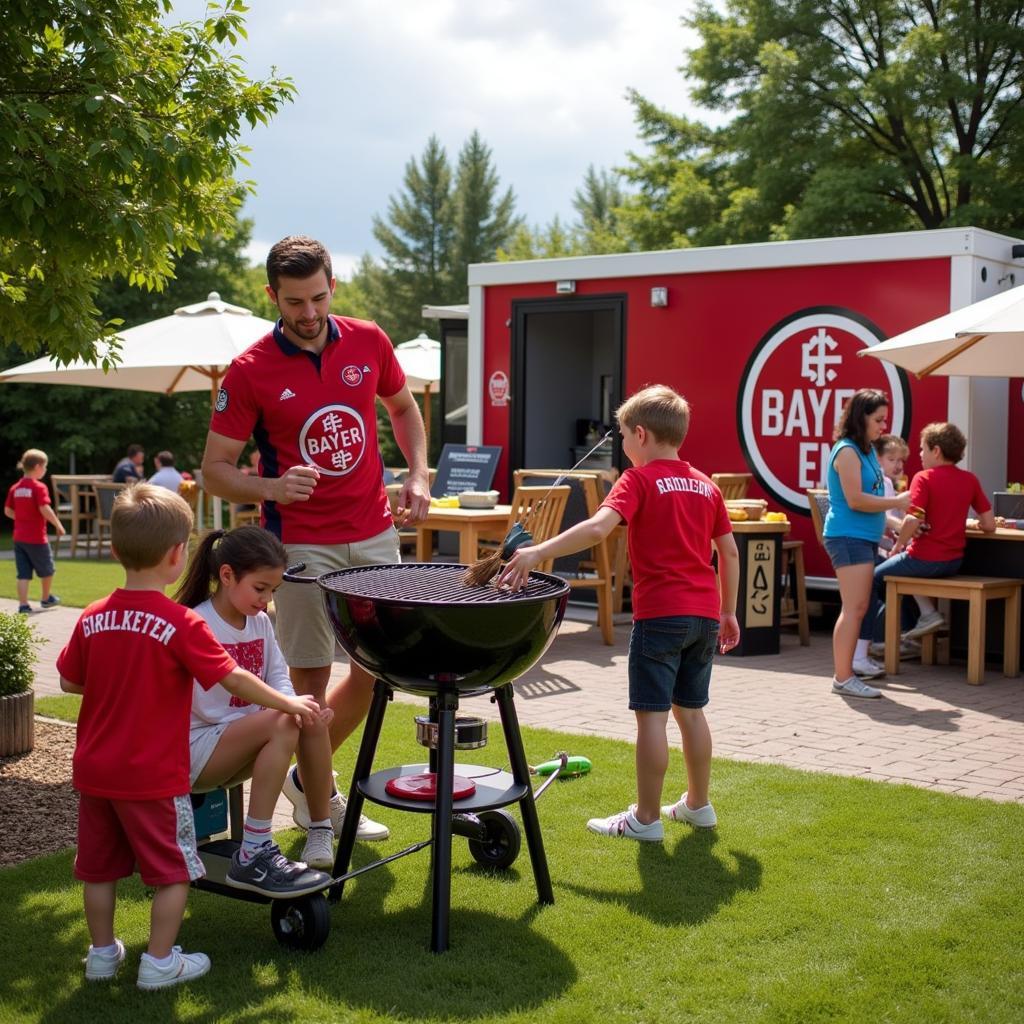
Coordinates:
(469, 523)
(79, 507)
(991, 554)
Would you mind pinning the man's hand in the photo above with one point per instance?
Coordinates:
(413, 502)
(297, 484)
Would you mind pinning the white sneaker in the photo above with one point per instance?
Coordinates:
(930, 623)
(183, 967)
(909, 650)
(625, 826)
(103, 966)
(373, 831)
(854, 687)
(702, 817)
(867, 669)
(319, 849)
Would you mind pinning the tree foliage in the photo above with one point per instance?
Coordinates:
(836, 117)
(120, 148)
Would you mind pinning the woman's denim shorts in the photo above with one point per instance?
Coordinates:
(846, 551)
(670, 662)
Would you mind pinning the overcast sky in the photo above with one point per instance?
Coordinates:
(544, 81)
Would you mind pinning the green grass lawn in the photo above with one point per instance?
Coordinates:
(818, 898)
(65, 707)
(77, 581)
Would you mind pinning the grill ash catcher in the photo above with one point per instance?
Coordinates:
(417, 628)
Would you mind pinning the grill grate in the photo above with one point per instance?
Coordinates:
(433, 583)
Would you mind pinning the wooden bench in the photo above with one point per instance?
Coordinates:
(977, 591)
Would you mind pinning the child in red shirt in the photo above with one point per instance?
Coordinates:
(941, 494)
(28, 504)
(674, 514)
(133, 657)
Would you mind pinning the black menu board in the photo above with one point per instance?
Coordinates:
(465, 467)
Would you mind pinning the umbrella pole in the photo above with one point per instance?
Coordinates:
(214, 389)
(426, 416)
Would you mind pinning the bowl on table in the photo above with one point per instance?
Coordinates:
(753, 507)
(478, 499)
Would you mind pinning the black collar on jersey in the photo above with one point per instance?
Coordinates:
(291, 349)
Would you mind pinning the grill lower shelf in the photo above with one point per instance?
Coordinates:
(493, 789)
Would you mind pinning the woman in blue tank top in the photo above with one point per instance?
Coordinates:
(852, 530)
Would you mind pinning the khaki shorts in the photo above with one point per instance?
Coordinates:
(303, 630)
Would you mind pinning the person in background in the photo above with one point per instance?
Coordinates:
(130, 468)
(941, 495)
(166, 475)
(309, 389)
(132, 657)
(28, 504)
(851, 534)
(674, 514)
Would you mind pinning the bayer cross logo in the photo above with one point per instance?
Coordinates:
(793, 389)
(222, 400)
(352, 375)
(333, 440)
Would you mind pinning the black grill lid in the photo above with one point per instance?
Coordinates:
(433, 583)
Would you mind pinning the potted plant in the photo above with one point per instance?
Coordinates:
(18, 652)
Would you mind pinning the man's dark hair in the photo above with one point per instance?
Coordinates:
(133, 450)
(165, 458)
(297, 256)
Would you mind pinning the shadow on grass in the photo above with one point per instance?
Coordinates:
(686, 884)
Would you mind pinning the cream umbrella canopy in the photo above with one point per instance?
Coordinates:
(420, 360)
(985, 339)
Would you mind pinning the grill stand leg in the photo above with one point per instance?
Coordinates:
(528, 809)
(444, 705)
(382, 694)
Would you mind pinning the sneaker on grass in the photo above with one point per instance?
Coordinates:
(702, 817)
(103, 966)
(625, 826)
(372, 831)
(271, 873)
(930, 623)
(183, 967)
(319, 849)
(867, 669)
(854, 687)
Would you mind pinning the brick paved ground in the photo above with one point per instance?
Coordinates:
(931, 728)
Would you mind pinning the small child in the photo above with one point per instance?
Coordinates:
(28, 504)
(892, 452)
(231, 739)
(133, 657)
(674, 514)
(942, 494)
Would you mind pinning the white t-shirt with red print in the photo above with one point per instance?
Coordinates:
(137, 654)
(316, 410)
(673, 512)
(255, 649)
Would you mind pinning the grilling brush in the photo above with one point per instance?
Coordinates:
(483, 570)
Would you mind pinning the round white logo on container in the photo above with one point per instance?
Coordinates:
(497, 388)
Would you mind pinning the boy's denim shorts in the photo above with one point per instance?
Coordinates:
(670, 662)
(32, 556)
(846, 551)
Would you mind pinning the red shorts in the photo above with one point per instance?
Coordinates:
(157, 835)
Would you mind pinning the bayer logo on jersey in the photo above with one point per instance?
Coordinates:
(333, 440)
(352, 375)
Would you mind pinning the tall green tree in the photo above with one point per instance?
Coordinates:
(597, 203)
(120, 148)
(834, 118)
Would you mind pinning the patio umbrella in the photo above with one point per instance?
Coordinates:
(985, 339)
(187, 351)
(420, 359)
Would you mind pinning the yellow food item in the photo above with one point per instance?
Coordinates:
(776, 517)
(452, 502)
(737, 515)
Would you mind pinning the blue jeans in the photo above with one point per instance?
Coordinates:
(670, 661)
(899, 565)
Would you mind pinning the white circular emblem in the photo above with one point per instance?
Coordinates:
(352, 375)
(222, 400)
(333, 440)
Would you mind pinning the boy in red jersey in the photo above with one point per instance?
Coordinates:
(941, 494)
(674, 514)
(28, 504)
(133, 657)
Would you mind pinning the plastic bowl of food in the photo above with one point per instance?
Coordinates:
(478, 499)
(754, 507)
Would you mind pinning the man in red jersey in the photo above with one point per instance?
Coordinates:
(306, 392)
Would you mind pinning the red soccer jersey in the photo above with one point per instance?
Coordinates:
(25, 499)
(673, 512)
(946, 493)
(319, 411)
(136, 654)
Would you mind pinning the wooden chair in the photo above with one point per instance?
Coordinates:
(732, 485)
(243, 515)
(793, 611)
(106, 492)
(817, 500)
(593, 572)
(540, 509)
(75, 501)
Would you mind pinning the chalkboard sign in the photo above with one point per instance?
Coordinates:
(465, 467)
